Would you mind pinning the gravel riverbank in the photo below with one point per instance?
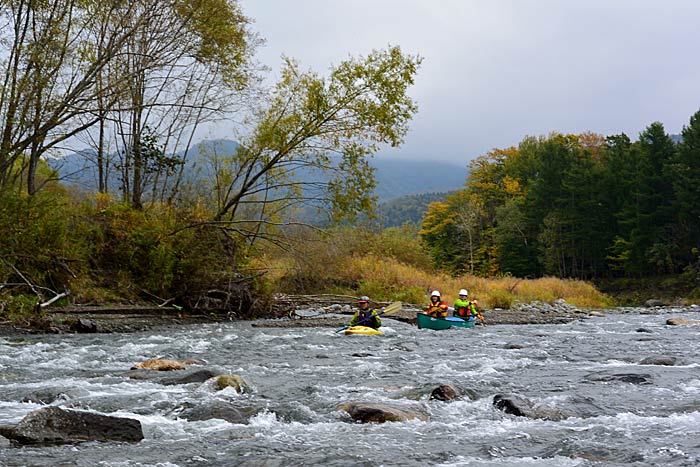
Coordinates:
(139, 318)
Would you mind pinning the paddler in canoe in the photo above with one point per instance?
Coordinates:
(436, 308)
(365, 315)
(467, 309)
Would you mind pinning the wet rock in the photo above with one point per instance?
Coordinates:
(681, 321)
(596, 314)
(370, 412)
(234, 381)
(192, 361)
(218, 410)
(445, 392)
(654, 303)
(362, 354)
(194, 375)
(515, 404)
(633, 378)
(663, 360)
(45, 396)
(52, 425)
(159, 364)
(187, 376)
(644, 330)
(84, 326)
(513, 346)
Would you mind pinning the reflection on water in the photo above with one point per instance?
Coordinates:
(300, 376)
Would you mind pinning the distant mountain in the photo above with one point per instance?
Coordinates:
(395, 178)
(408, 209)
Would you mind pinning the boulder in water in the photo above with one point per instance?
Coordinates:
(234, 381)
(654, 302)
(53, 425)
(372, 412)
(217, 409)
(445, 392)
(197, 375)
(664, 360)
(681, 321)
(159, 364)
(45, 396)
(520, 406)
(633, 378)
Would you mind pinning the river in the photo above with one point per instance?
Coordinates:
(299, 376)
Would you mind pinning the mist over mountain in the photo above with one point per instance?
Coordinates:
(395, 177)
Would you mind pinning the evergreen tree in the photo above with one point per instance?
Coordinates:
(684, 173)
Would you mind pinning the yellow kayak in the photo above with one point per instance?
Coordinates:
(365, 330)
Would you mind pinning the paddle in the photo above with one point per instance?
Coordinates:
(479, 315)
(393, 308)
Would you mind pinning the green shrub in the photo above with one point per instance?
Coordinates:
(500, 299)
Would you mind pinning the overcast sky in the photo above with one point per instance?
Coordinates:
(495, 71)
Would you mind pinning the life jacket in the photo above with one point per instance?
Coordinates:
(466, 311)
(367, 315)
(437, 310)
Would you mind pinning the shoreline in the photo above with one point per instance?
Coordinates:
(125, 319)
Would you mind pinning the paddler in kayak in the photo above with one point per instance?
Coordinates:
(436, 308)
(365, 316)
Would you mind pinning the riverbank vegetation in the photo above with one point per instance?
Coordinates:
(203, 228)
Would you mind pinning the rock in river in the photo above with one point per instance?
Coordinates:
(53, 425)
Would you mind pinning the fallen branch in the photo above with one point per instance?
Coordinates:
(57, 297)
(27, 281)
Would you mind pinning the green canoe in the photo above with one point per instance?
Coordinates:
(428, 322)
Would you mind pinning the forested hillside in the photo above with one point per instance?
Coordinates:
(584, 206)
(406, 209)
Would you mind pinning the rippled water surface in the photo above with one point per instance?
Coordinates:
(300, 376)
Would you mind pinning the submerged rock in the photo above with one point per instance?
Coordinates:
(52, 425)
(221, 410)
(633, 378)
(372, 412)
(515, 404)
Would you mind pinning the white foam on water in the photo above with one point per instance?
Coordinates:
(265, 419)
(691, 387)
(265, 337)
(134, 464)
(199, 346)
(632, 425)
(557, 461)
(317, 347)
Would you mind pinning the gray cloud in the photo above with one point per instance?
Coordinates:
(495, 71)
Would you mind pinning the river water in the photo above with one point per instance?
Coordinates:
(299, 377)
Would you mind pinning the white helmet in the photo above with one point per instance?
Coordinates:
(435, 293)
(463, 292)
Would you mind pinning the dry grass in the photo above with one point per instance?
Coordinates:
(385, 278)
